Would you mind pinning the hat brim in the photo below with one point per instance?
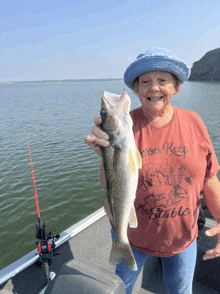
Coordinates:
(162, 63)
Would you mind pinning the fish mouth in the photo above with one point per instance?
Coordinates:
(155, 99)
(113, 99)
(113, 103)
(114, 109)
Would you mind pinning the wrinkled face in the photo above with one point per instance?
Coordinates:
(155, 90)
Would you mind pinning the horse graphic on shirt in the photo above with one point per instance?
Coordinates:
(167, 185)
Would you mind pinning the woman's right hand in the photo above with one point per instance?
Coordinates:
(97, 138)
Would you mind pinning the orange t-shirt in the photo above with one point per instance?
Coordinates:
(176, 158)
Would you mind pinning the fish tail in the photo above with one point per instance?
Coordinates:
(123, 252)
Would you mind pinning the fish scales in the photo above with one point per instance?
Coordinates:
(121, 162)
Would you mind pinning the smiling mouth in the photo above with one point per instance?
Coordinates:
(155, 99)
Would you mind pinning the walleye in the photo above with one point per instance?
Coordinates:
(121, 163)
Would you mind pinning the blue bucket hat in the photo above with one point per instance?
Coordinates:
(156, 59)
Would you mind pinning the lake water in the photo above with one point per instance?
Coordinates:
(56, 117)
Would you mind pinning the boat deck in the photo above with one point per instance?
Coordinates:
(94, 243)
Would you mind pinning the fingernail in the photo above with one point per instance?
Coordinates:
(89, 138)
(207, 233)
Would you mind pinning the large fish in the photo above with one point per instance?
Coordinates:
(121, 163)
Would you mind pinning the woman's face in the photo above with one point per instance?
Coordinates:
(155, 90)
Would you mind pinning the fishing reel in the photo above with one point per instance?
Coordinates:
(46, 249)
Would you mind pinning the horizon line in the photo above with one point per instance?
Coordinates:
(54, 80)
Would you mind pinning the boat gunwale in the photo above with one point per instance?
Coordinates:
(27, 260)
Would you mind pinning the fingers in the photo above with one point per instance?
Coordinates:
(97, 138)
(99, 133)
(213, 253)
(98, 120)
(210, 254)
(96, 143)
(88, 139)
(93, 140)
(213, 231)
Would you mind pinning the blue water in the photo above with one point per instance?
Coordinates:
(56, 116)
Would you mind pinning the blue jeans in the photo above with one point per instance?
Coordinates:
(178, 270)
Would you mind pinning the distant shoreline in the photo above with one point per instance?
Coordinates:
(61, 81)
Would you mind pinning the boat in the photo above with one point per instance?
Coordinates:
(89, 242)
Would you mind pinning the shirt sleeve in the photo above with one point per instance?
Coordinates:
(212, 165)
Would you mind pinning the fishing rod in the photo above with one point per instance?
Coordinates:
(35, 190)
(46, 249)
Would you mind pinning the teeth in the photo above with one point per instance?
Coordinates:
(154, 98)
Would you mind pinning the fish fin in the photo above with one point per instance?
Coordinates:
(132, 163)
(138, 157)
(108, 209)
(123, 252)
(133, 223)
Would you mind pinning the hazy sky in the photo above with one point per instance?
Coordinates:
(99, 39)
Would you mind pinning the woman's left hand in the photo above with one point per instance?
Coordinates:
(211, 195)
(213, 253)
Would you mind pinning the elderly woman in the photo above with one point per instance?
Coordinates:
(178, 164)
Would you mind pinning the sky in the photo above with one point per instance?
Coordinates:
(55, 40)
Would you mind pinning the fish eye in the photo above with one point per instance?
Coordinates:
(103, 112)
